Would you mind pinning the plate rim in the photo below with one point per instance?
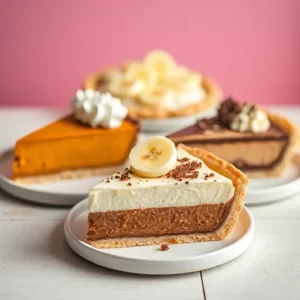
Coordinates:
(67, 231)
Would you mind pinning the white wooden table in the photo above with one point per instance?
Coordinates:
(36, 263)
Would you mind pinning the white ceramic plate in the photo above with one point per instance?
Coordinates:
(169, 125)
(262, 191)
(181, 258)
(64, 193)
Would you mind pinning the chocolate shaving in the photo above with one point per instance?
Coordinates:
(186, 170)
(125, 176)
(183, 160)
(209, 175)
(164, 247)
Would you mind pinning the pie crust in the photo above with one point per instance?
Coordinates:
(292, 132)
(213, 96)
(239, 181)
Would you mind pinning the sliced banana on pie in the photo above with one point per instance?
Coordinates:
(161, 62)
(155, 96)
(138, 72)
(153, 157)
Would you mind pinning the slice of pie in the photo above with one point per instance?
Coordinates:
(70, 148)
(258, 142)
(156, 87)
(198, 199)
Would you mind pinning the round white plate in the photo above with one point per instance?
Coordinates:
(181, 258)
(169, 125)
(262, 191)
(64, 193)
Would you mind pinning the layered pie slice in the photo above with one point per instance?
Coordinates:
(98, 134)
(258, 142)
(167, 195)
(156, 87)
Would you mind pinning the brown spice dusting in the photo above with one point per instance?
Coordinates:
(209, 176)
(164, 247)
(185, 170)
(186, 182)
(129, 184)
(125, 176)
(117, 177)
(183, 160)
(107, 181)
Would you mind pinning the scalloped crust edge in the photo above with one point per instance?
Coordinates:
(239, 181)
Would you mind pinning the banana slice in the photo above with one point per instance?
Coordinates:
(153, 157)
(161, 62)
(184, 82)
(157, 95)
(138, 72)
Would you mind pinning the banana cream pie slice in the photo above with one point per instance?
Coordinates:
(167, 195)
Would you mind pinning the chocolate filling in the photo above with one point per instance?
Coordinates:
(157, 221)
(201, 136)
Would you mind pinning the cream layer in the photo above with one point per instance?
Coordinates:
(139, 192)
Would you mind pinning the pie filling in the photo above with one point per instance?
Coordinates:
(160, 221)
(191, 198)
(247, 151)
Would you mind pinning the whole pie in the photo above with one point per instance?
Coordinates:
(78, 145)
(256, 141)
(156, 87)
(198, 199)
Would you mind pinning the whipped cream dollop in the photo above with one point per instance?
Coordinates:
(98, 109)
(251, 119)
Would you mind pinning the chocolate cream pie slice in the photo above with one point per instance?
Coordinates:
(258, 142)
(167, 195)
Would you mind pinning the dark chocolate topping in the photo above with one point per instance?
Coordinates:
(228, 110)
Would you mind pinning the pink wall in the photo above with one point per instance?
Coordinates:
(251, 47)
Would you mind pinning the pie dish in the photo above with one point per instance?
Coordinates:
(157, 87)
(198, 200)
(68, 148)
(264, 151)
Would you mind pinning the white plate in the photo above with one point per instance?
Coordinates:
(169, 125)
(183, 258)
(64, 193)
(262, 191)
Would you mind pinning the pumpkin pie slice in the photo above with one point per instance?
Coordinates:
(258, 142)
(69, 148)
(199, 199)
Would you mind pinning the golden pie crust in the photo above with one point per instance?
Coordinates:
(239, 181)
(293, 134)
(139, 110)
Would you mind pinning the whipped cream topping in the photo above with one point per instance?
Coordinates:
(251, 119)
(139, 192)
(98, 109)
(178, 100)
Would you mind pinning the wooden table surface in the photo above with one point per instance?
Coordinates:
(36, 262)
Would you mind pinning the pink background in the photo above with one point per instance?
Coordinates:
(251, 47)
